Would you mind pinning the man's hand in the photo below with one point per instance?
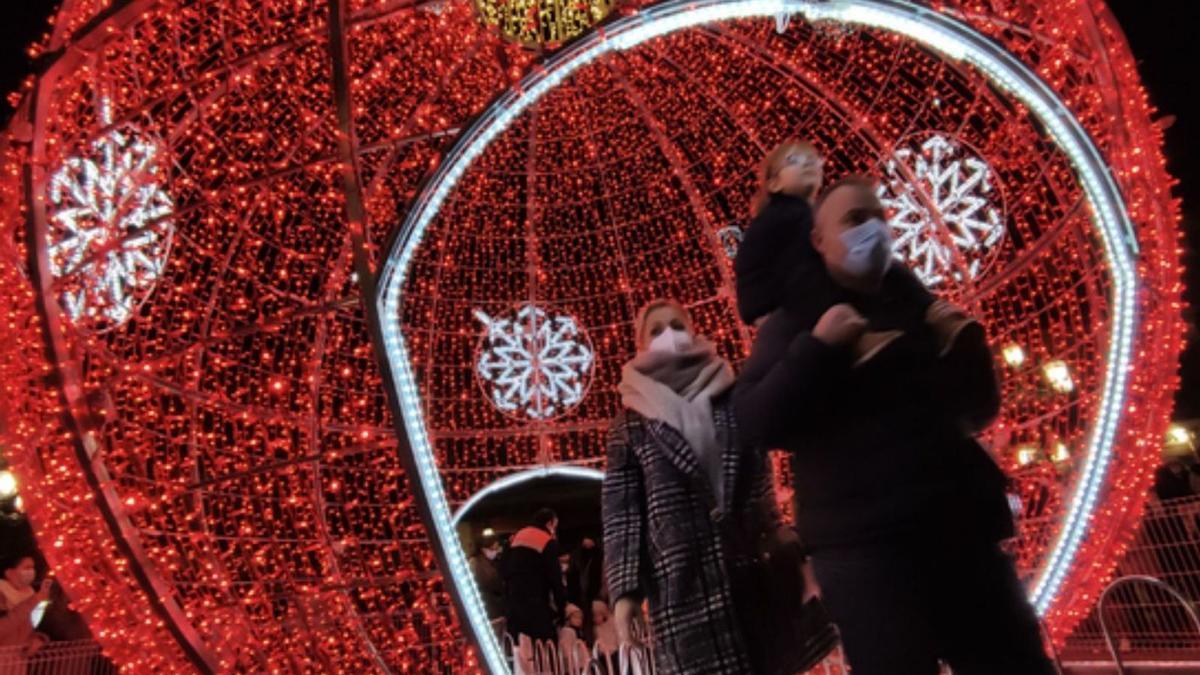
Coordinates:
(947, 321)
(840, 325)
(941, 311)
(626, 615)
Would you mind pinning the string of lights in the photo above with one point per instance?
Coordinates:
(190, 397)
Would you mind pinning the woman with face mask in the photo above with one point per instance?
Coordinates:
(686, 506)
(21, 605)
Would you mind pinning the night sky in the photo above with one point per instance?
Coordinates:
(1159, 32)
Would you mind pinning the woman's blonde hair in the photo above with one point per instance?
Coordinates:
(770, 167)
(639, 324)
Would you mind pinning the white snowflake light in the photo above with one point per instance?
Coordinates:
(945, 219)
(532, 364)
(730, 237)
(109, 226)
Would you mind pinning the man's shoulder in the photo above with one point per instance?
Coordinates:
(906, 285)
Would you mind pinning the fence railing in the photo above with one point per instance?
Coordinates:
(1142, 618)
(540, 657)
(81, 657)
(1145, 617)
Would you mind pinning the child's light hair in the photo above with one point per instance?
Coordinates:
(771, 165)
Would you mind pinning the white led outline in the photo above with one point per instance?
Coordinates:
(936, 32)
(515, 479)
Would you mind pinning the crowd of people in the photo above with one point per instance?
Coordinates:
(535, 589)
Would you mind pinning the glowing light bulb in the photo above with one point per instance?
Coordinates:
(8, 484)
(1014, 355)
(1061, 452)
(1058, 374)
(1026, 455)
(1179, 435)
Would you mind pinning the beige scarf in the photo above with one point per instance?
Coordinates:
(677, 389)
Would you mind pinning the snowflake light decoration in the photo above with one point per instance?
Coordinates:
(532, 364)
(109, 227)
(945, 218)
(730, 237)
(512, 170)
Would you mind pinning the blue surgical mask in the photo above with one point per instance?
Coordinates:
(868, 250)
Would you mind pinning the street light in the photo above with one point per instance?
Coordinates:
(8, 484)
(1180, 436)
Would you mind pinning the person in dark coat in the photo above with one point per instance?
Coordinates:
(570, 578)
(902, 509)
(678, 480)
(487, 575)
(588, 560)
(535, 598)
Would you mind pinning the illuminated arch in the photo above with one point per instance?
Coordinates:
(514, 479)
(938, 33)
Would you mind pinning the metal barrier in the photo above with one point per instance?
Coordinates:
(1149, 611)
(1154, 613)
(1159, 588)
(81, 657)
(540, 657)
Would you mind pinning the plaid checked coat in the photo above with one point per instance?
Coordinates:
(662, 539)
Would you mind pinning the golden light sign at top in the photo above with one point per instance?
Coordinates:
(541, 24)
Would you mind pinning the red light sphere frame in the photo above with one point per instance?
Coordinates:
(209, 455)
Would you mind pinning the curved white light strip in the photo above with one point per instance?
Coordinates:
(948, 37)
(514, 479)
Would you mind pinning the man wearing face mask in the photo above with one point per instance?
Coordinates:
(900, 506)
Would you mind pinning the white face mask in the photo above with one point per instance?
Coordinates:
(491, 553)
(868, 250)
(671, 340)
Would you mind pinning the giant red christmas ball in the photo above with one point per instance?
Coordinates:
(231, 228)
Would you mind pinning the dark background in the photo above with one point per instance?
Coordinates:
(1158, 31)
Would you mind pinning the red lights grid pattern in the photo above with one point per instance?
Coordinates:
(244, 451)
